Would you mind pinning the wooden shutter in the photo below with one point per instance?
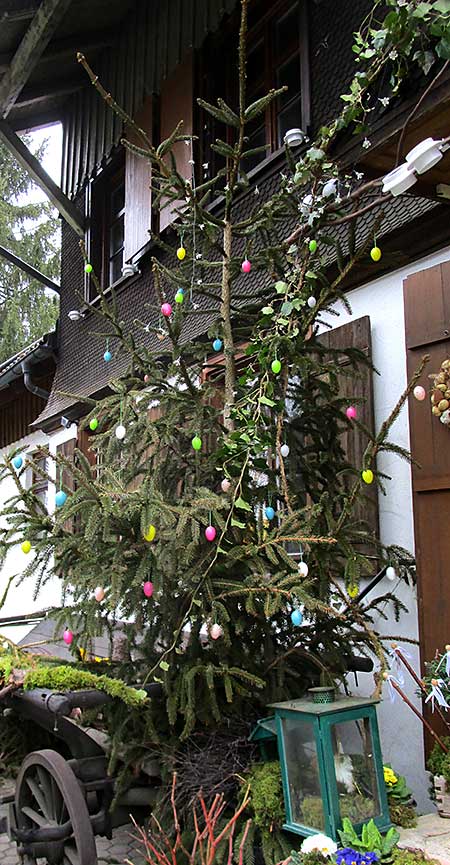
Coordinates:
(356, 334)
(138, 201)
(176, 104)
(427, 330)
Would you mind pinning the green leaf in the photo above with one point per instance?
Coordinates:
(235, 522)
(241, 503)
(442, 6)
(266, 401)
(164, 665)
(310, 274)
(267, 310)
(286, 308)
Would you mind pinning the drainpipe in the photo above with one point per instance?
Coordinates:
(33, 388)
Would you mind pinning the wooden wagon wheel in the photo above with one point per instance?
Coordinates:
(49, 801)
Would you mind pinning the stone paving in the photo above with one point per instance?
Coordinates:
(431, 836)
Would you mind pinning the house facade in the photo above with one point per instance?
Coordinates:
(156, 59)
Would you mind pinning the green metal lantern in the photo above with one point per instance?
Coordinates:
(331, 762)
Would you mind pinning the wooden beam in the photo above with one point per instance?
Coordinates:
(14, 11)
(42, 92)
(59, 49)
(29, 162)
(32, 46)
(29, 269)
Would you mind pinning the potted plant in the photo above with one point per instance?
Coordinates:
(401, 803)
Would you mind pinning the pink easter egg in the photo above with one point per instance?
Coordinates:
(246, 266)
(351, 412)
(146, 378)
(216, 631)
(419, 392)
(68, 637)
(99, 593)
(166, 309)
(148, 589)
(225, 485)
(210, 533)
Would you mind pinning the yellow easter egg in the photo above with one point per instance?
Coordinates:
(26, 547)
(375, 253)
(367, 476)
(181, 253)
(150, 533)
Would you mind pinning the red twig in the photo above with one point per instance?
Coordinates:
(418, 681)
(242, 844)
(417, 713)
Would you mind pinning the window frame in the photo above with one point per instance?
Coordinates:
(263, 30)
(98, 204)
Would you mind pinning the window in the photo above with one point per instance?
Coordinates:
(107, 235)
(277, 56)
(38, 479)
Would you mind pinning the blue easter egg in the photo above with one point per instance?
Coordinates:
(296, 617)
(60, 498)
(17, 462)
(217, 344)
(269, 512)
(107, 356)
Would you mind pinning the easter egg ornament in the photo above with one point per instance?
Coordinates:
(25, 547)
(150, 534)
(225, 485)
(391, 573)
(147, 588)
(88, 267)
(367, 476)
(215, 631)
(217, 344)
(246, 266)
(296, 617)
(166, 310)
(99, 594)
(93, 424)
(18, 462)
(68, 637)
(312, 246)
(210, 533)
(60, 498)
(352, 590)
(107, 356)
(303, 569)
(276, 366)
(284, 450)
(269, 512)
(375, 253)
(179, 297)
(419, 392)
(181, 252)
(351, 412)
(120, 432)
(196, 443)
(312, 302)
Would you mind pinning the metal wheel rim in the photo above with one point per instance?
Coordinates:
(55, 779)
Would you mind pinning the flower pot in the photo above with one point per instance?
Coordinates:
(442, 795)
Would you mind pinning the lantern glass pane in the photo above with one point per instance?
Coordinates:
(355, 771)
(303, 773)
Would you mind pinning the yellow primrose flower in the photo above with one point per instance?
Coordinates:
(390, 777)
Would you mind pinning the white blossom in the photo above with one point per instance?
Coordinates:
(366, 144)
(319, 843)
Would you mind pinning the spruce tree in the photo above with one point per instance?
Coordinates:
(229, 605)
(31, 231)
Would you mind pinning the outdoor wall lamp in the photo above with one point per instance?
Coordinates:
(76, 315)
(130, 270)
(294, 137)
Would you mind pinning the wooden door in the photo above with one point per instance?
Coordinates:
(427, 326)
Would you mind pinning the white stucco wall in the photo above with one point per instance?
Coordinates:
(382, 300)
(20, 598)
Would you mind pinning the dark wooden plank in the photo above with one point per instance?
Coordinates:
(43, 25)
(176, 105)
(29, 269)
(356, 334)
(26, 159)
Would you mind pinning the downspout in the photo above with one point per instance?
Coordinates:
(33, 388)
